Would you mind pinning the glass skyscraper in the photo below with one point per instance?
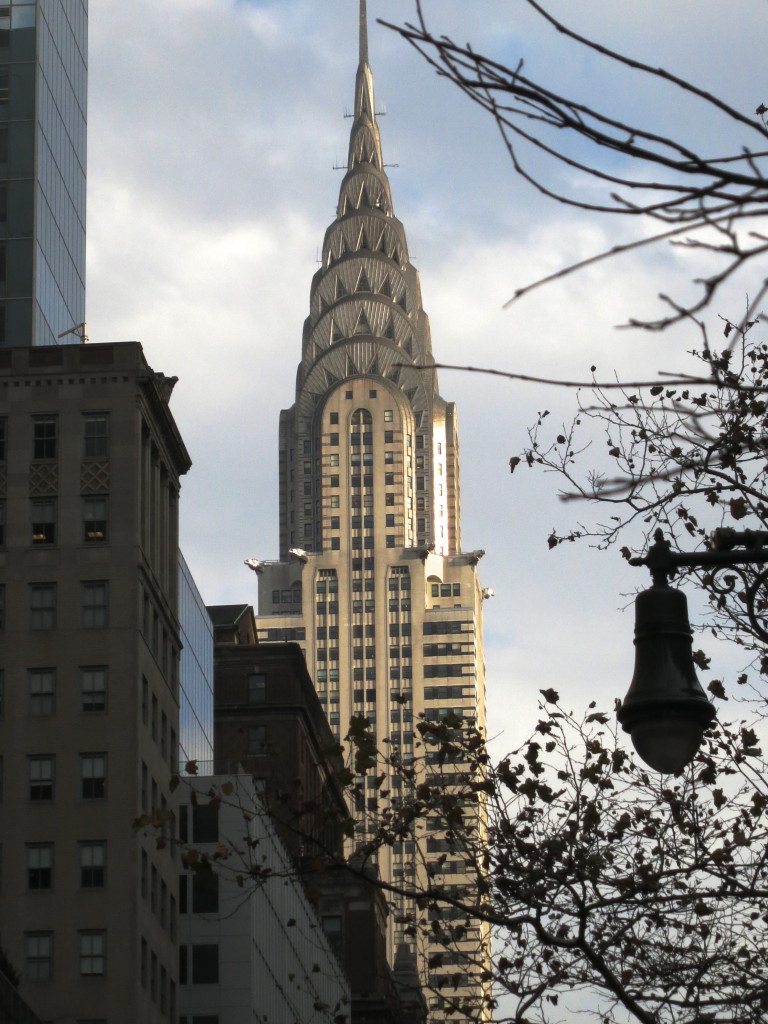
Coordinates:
(43, 87)
(196, 674)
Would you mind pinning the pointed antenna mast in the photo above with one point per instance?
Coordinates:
(363, 32)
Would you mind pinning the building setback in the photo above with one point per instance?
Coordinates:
(43, 86)
(372, 580)
(90, 462)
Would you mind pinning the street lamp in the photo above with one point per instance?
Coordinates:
(666, 710)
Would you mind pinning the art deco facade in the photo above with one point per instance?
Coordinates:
(43, 85)
(90, 461)
(372, 580)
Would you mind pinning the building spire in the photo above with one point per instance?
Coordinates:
(363, 32)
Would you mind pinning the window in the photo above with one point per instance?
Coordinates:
(93, 953)
(94, 604)
(390, 540)
(93, 864)
(2, 522)
(389, 457)
(38, 955)
(42, 691)
(335, 501)
(44, 437)
(389, 437)
(93, 776)
(3, 437)
(205, 965)
(93, 689)
(257, 688)
(41, 777)
(39, 866)
(94, 520)
(42, 605)
(205, 892)
(257, 739)
(334, 417)
(335, 543)
(96, 435)
(333, 439)
(42, 514)
(389, 499)
(388, 415)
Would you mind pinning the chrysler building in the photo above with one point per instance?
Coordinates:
(372, 581)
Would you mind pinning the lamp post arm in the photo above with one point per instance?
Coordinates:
(662, 561)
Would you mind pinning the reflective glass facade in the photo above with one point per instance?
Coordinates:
(196, 672)
(43, 86)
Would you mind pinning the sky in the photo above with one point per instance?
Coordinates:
(214, 127)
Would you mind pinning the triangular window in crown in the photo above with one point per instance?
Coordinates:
(362, 240)
(338, 289)
(386, 288)
(351, 368)
(389, 330)
(362, 326)
(342, 246)
(363, 285)
(382, 246)
(336, 334)
(394, 375)
(343, 206)
(408, 346)
(401, 302)
(323, 304)
(396, 255)
(364, 200)
(410, 394)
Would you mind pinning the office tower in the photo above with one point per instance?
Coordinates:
(90, 462)
(43, 84)
(372, 580)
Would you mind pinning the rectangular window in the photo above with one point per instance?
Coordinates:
(38, 955)
(93, 953)
(389, 437)
(93, 864)
(388, 415)
(93, 776)
(41, 683)
(96, 435)
(205, 824)
(39, 866)
(205, 964)
(44, 437)
(41, 778)
(93, 689)
(42, 605)
(3, 438)
(257, 688)
(257, 739)
(94, 604)
(42, 515)
(205, 892)
(94, 519)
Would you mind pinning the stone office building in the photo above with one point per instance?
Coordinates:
(90, 465)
